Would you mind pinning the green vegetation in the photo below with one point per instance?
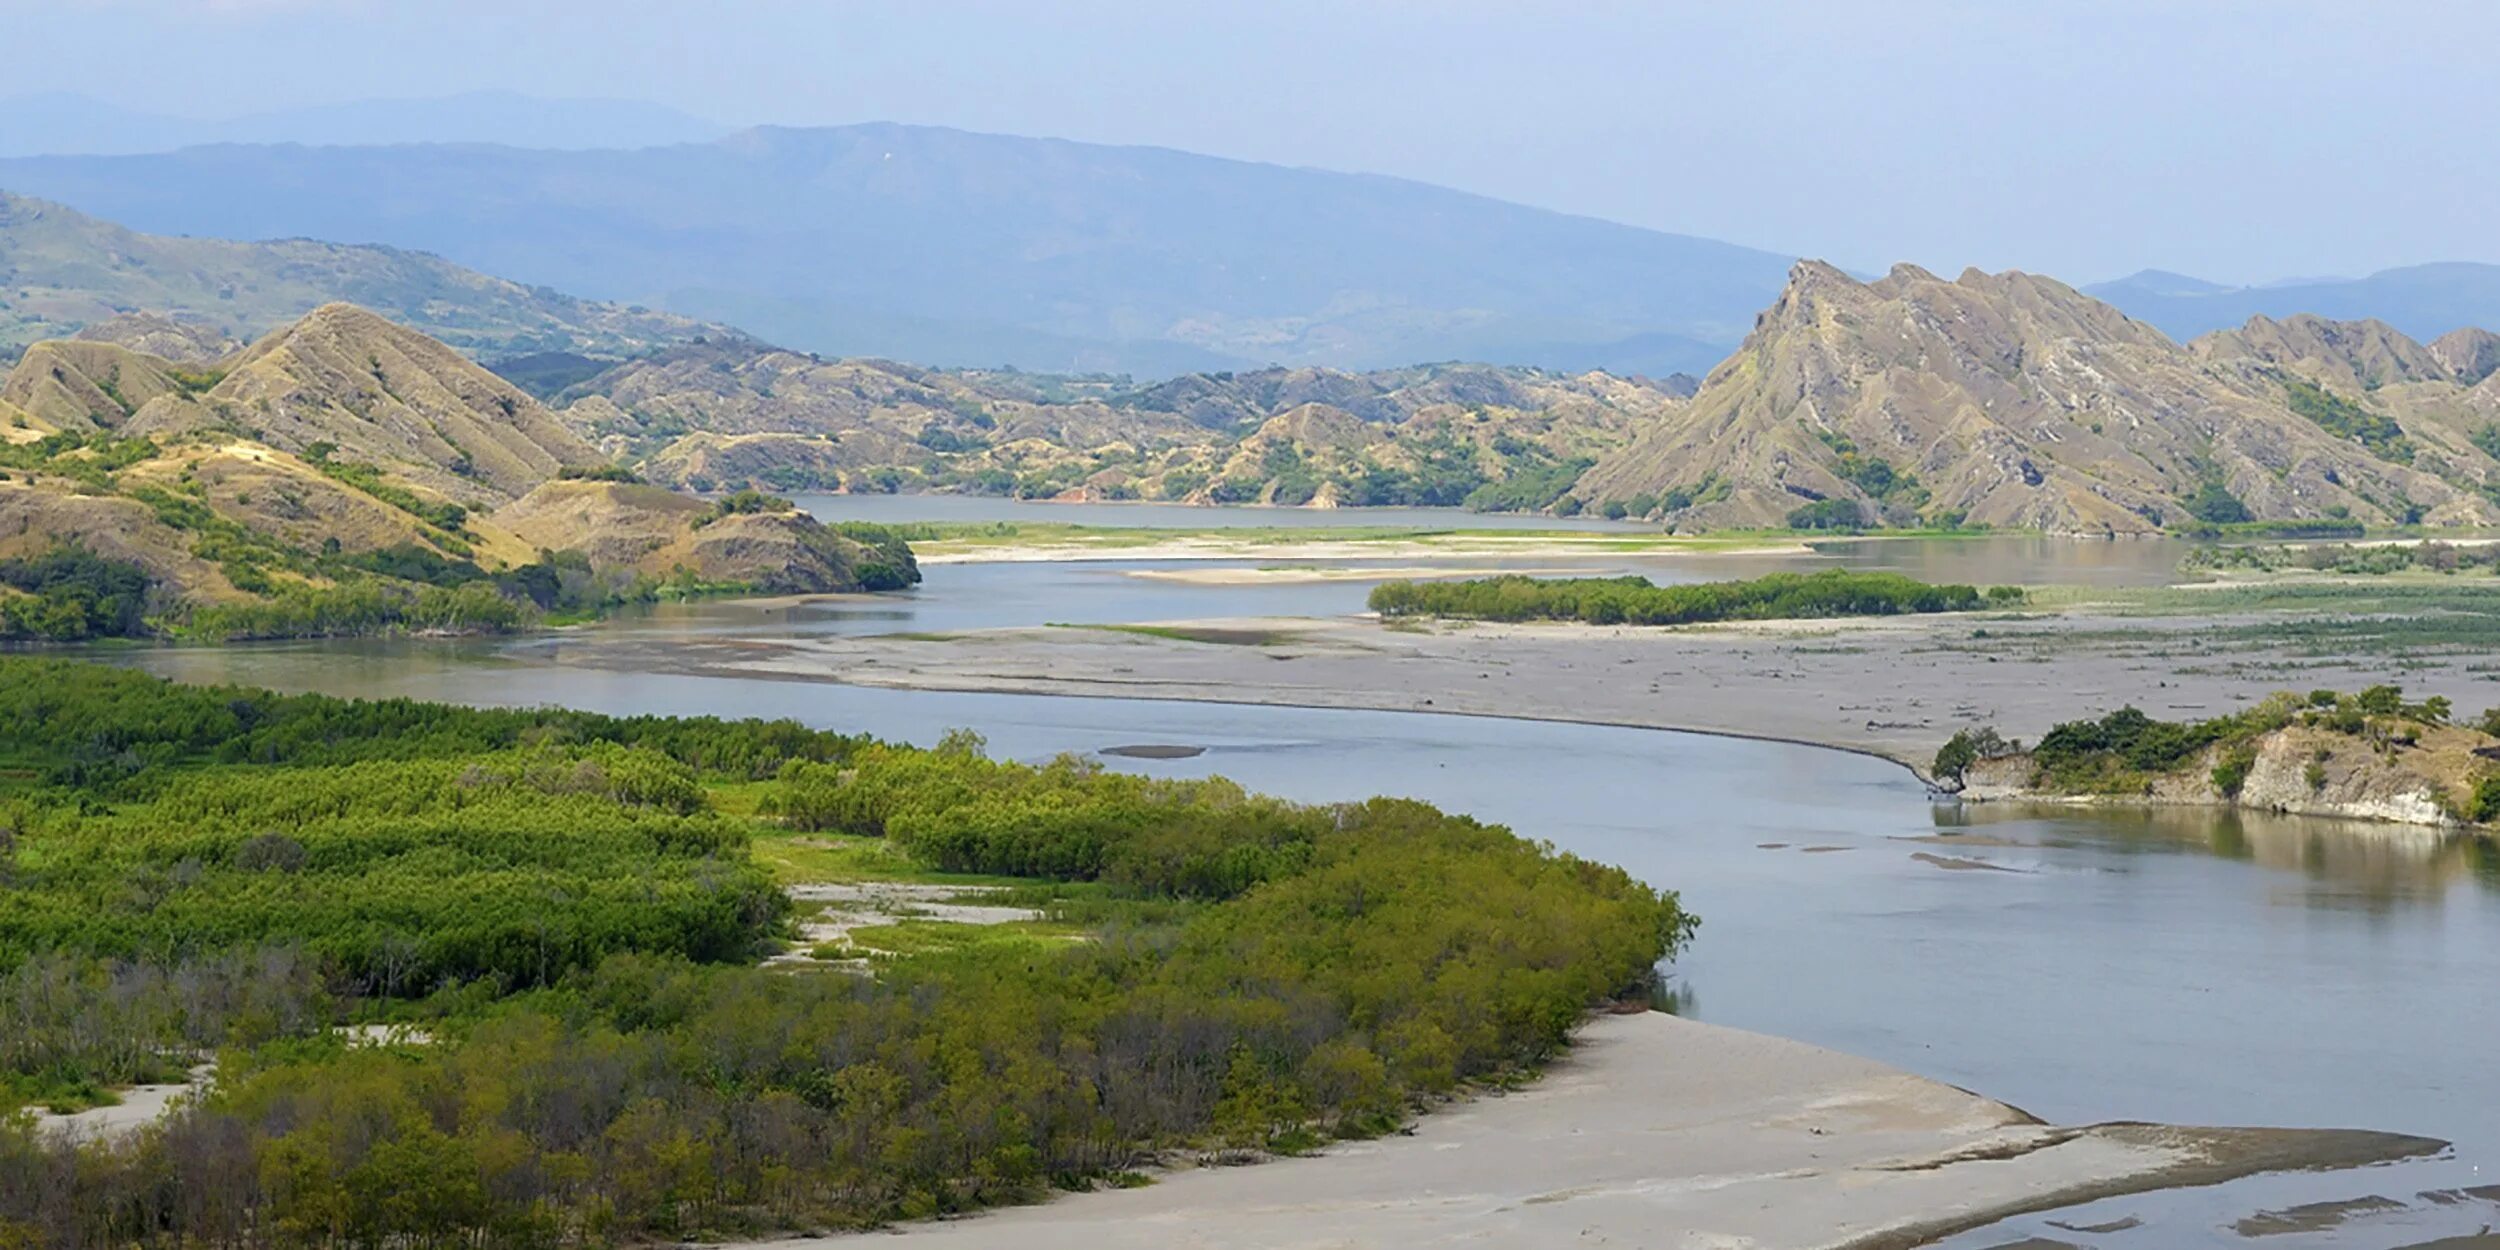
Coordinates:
(745, 503)
(1828, 514)
(599, 473)
(1638, 601)
(2345, 419)
(351, 609)
(2126, 752)
(1445, 474)
(2311, 527)
(88, 461)
(451, 518)
(889, 564)
(1536, 482)
(1968, 747)
(1898, 496)
(569, 906)
(2214, 504)
(2428, 556)
(2487, 440)
(69, 594)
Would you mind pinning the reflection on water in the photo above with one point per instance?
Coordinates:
(2371, 867)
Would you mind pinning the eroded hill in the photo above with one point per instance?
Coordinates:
(2012, 400)
(345, 474)
(720, 414)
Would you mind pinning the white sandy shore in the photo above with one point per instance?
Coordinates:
(140, 1106)
(1660, 1132)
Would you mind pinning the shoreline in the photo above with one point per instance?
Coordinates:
(1655, 1122)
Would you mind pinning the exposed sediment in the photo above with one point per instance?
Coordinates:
(1653, 1123)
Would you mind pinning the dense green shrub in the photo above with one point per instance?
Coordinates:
(1638, 601)
(2345, 419)
(744, 503)
(2214, 504)
(889, 564)
(1536, 482)
(1258, 973)
(1828, 514)
(69, 594)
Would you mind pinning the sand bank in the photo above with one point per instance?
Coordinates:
(140, 1106)
(1656, 1131)
(1890, 686)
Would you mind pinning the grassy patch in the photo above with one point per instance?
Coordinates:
(907, 938)
(817, 858)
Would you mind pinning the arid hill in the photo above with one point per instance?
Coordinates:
(2013, 400)
(727, 413)
(661, 533)
(344, 461)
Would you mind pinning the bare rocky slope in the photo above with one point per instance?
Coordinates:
(2013, 400)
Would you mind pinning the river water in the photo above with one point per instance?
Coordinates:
(2185, 967)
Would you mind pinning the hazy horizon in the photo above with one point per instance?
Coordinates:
(1937, 132)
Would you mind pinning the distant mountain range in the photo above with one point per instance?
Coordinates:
(951, 248)
(64, 123)
(2421, 301)
(62, 271)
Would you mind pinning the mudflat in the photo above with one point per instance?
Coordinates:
(1657, 1131)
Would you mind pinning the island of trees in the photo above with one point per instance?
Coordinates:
(568, 909)
(1638, 601)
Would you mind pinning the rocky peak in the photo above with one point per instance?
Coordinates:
(2345, 355)
(2469, 355)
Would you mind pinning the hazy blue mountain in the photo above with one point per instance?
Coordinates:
(948, 247)
(2157, 283)
(2423, 301)
(64, 123)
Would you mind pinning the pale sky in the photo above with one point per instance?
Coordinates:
(2233, 139)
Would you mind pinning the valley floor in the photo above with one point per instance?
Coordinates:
(1655, 1125)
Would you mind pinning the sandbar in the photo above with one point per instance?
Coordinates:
(1658, 1131)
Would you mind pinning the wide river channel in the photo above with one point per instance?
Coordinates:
(2183, 967)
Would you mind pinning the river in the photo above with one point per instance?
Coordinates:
(2184, 967)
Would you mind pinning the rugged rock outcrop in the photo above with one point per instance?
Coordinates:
(2013, 400)
(2299, 770)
